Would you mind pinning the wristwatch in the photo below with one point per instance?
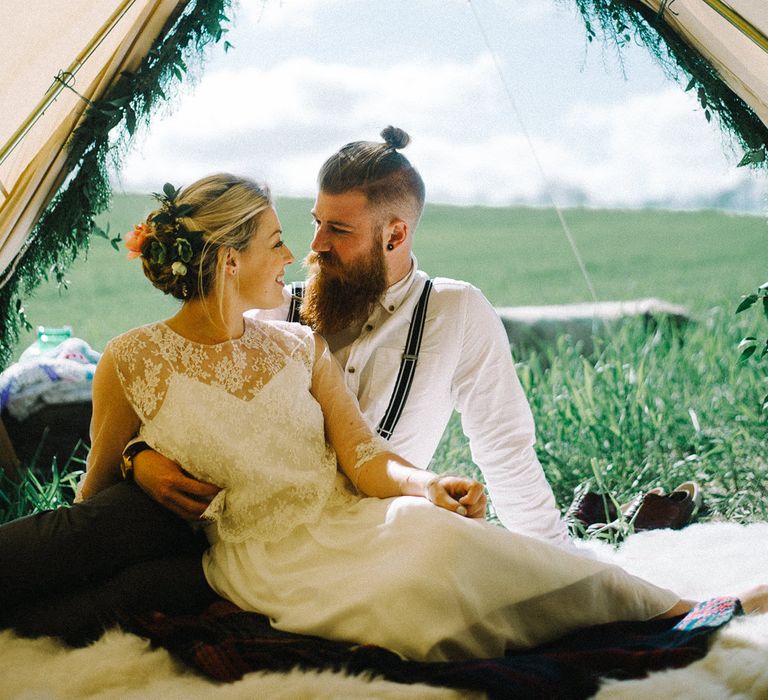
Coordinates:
(129, 454)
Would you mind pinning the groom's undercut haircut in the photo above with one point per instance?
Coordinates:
(378, 170)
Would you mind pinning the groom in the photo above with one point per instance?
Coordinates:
(362, 295)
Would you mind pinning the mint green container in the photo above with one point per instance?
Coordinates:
(48, 339)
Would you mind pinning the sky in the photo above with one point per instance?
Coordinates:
(542, 115)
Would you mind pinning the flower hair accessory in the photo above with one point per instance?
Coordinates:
(183, 246)
(135, 239)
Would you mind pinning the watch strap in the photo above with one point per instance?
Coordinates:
(129, 454)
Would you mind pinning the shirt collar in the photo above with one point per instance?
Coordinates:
(397, 293)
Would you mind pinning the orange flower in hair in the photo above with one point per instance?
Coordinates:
(135, 239)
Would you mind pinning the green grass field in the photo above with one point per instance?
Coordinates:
(517, 256)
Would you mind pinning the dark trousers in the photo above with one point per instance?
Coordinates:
(72, 572)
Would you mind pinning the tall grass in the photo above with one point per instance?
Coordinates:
(651, 407)
(41, 486)
(516, 255)
(648, 409)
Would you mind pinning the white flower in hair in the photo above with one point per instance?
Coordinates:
(179, 269)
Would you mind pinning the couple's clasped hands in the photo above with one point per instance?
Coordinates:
(460, 494)
(168, 484)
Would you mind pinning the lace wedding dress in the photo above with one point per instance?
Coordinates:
(291, 538)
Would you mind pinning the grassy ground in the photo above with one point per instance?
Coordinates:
(647, 410)
(650, 409)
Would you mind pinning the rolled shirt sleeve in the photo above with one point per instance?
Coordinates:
(497, 419)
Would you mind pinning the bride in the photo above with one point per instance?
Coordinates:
(318, 525)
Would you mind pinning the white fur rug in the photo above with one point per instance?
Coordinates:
(698, 562)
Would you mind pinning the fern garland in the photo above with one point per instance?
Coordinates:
(67, 223)
(621, 22)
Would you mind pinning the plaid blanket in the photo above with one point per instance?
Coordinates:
(225, 643)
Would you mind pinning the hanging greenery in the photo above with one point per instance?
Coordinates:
(101, 139)
(749, 346)
(621, 22)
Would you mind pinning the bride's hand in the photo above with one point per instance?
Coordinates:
(460, 494)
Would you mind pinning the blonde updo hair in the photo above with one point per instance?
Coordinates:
(218, 211)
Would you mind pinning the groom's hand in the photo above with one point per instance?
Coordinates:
(166, 482)
(458, 493)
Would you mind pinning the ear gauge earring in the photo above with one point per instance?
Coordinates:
(390, 246)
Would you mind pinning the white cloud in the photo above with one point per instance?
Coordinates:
(300, 110)
(654, 146)
(281, 122)
(530, 12)
(277, 15)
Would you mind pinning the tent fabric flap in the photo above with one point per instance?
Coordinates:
(737, 48)
(717, 46)
(69, 106)
(90, 48)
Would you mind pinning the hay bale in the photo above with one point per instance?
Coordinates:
(536, 327)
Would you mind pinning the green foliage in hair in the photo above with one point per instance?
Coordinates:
(187, 242)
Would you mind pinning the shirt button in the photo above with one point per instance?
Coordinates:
(351, 370)
(369, 328)
(392, 308)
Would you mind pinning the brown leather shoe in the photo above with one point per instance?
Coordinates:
(589, 507)
(673, 510)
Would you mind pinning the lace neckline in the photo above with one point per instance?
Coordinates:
(247, 331)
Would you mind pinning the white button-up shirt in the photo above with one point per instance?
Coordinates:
(464, 364)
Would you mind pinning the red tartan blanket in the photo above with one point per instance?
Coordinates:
(225, 643)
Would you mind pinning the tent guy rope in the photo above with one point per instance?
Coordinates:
(547, 186)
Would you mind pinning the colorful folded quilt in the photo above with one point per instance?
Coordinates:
(59, 376)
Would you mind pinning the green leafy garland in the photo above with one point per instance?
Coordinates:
(621, 22)
(68, 222)
(749, 345)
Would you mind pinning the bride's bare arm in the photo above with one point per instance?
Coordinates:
(374, 471)
(113, 424)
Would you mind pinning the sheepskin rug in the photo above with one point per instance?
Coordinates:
(700, 561)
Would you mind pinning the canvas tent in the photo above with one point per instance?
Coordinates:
(83, 71)
(90, 45)
(732, 36)
(77, 78)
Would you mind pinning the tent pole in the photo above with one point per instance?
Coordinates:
(57, 86)
(742, 24)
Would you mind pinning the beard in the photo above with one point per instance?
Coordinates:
(337, 295)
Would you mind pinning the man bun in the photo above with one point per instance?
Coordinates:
(395, 138)
(381, 172)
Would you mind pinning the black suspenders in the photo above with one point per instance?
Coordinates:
(407, 365)
(297, 294)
